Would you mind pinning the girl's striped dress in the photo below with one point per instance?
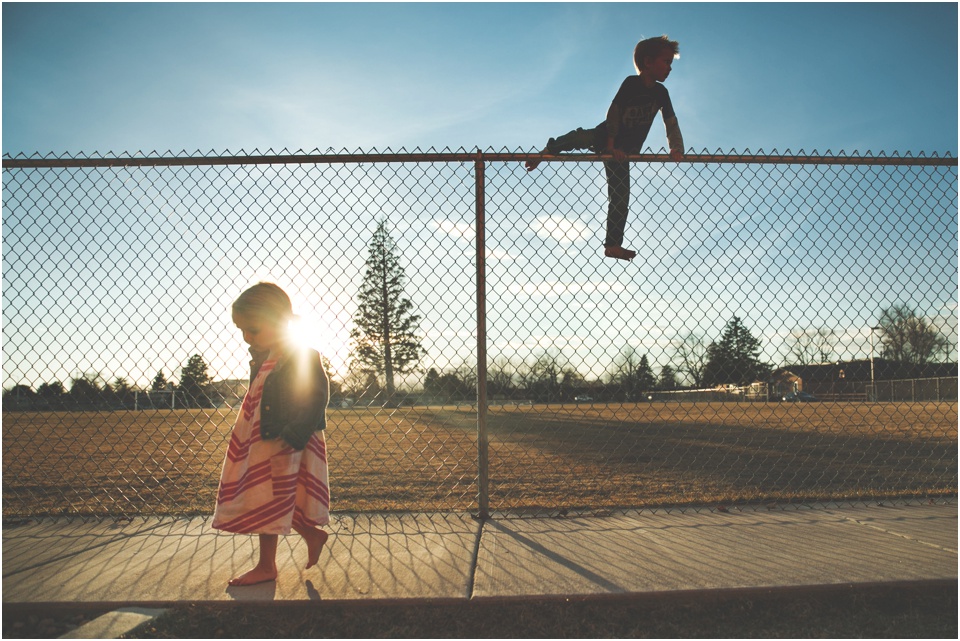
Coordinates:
(267, 487)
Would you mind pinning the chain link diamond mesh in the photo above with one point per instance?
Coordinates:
(609, 385)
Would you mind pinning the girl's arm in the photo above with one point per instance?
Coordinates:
(306, 397)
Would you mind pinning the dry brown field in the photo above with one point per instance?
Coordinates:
(546, 457)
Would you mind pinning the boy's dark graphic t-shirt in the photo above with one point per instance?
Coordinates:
(637, 105)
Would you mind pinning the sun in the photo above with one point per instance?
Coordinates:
(308, 331)
(305, 332)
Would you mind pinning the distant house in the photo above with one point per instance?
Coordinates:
(851, 378)
(782, 382)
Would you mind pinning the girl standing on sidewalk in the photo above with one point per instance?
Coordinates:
(274, 475)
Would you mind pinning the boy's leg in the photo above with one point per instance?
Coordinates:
(618, 190)
(577, 139)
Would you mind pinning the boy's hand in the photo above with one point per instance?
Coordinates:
(676, 155)
(618, 154)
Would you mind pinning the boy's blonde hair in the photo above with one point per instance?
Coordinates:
(266, 301)
(653, 47)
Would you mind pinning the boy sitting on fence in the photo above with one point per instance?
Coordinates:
(628, 121)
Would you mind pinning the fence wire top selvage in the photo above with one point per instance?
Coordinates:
(354, 158)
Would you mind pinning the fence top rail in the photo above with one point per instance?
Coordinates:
(460, 156)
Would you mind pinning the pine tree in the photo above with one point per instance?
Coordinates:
(194, 380)
(633, 375)
(385, 337)
(668, 378)
(735, 358)
(159, 382)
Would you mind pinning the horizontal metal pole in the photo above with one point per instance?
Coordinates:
(733, 159)
(333, 159)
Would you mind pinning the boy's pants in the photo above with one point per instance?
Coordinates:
(618, 177)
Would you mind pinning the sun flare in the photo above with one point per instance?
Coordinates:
(309, 331)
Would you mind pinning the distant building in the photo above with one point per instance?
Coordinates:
(851, 378)
(783, 381)
(229, 391)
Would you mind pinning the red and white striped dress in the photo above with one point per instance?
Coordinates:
(267, 487)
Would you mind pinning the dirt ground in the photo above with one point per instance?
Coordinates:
(541, 457)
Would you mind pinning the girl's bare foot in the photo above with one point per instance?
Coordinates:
(254, 576)
(315, 539)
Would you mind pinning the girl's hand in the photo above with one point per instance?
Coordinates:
(676, 155)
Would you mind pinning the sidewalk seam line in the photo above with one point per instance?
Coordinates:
(474, 560)
(902, 536)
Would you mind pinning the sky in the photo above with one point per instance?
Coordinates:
(84, 78)
(128, 271)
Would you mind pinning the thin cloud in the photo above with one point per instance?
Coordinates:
(560, 229)
(458, 230)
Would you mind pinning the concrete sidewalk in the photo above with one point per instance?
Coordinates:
(161, 562)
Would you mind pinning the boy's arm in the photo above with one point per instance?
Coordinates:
(674, 137)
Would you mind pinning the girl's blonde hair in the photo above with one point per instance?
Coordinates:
(266, 301)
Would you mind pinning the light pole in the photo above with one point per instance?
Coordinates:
(873, 386)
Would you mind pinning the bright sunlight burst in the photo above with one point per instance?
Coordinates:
(324, 335)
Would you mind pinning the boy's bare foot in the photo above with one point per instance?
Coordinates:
(619, 252)
(254, 576)
(315, 541)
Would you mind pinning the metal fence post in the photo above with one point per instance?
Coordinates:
(482, 445)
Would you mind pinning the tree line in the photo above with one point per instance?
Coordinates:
(385, 343)
(90, 390)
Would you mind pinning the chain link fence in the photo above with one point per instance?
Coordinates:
(737, 360)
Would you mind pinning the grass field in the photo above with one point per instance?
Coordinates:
(549, 457)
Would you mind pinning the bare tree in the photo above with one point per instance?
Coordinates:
(633, 374)
(500, 376)
(467, 373)
(908, 338)
(691, 357)
(362, 384)
(812, 346)
(542, 378)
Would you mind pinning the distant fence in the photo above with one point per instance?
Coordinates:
(119, 272)
(914, 390)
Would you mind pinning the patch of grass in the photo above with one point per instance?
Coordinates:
(840, 612)
(167, 462)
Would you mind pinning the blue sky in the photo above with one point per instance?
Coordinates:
(129, 271)
(84, 78)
